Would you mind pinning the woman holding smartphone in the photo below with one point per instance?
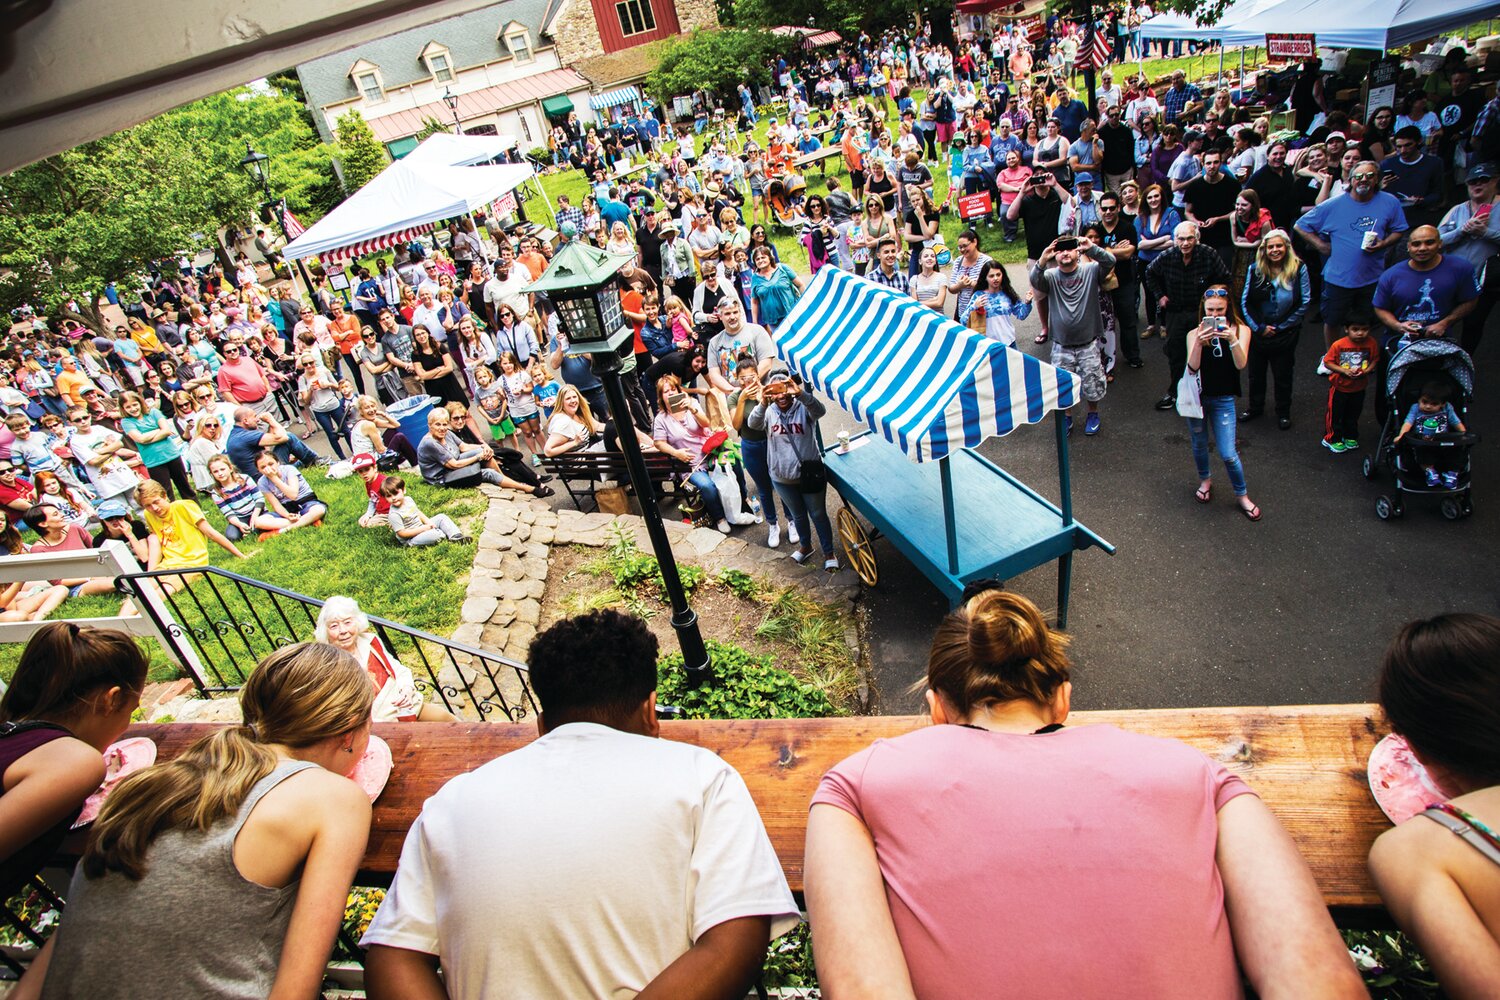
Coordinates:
(679, 430)
(1217, 349)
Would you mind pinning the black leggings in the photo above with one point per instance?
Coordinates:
(401, 445)
(172, 472)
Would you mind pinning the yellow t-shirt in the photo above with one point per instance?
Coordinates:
(182, 544)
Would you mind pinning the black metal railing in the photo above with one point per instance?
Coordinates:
(226, 623)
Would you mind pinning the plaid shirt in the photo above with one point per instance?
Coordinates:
(1174, 100)
(570, 214)
(897, 279)
(1183, 282)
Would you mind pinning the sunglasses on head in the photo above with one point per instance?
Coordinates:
(1216, 293)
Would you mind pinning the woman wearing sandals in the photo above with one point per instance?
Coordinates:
(1217, 349)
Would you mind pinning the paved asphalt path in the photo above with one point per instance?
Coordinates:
(1200, 606)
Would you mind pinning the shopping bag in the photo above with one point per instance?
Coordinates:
(722, 475)
(1190, 396)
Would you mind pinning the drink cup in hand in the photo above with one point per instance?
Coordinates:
(1369, 240)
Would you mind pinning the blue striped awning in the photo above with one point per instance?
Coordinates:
(915, 377)
(614, 98)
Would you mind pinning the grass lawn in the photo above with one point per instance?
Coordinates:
(422, 588)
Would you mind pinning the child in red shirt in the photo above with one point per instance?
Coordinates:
(375, 514)
(1350, 361)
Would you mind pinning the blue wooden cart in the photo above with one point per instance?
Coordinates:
(929, 391)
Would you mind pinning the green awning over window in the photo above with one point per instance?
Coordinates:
(401, 147)
(558, 106)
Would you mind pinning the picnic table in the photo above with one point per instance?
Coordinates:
(622, 172)
(817, 157)
(1306, 762)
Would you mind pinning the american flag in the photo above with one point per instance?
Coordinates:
(1096, 54)
(294, 228)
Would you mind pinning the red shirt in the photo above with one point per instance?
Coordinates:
(631, 302)
(1346, 352)
(242, 381)
(22, 490)
(372, 487)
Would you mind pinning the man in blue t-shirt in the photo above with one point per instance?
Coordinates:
(1353, 263)
(1427, 294)
(254, 432)
(611, 210)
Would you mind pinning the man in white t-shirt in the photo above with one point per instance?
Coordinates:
(508, 285)
(103, 454)
(598, 861)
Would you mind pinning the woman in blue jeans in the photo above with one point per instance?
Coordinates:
(1217, 349)
(789, 417)
(753, 452)
(679, 430)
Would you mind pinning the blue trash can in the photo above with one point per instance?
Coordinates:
(411, 414)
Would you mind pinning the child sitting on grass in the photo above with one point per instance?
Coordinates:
(1430, 416)
(411, 526)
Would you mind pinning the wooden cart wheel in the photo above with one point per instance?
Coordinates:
(859, 552)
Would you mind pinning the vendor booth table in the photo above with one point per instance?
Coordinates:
(930, 391)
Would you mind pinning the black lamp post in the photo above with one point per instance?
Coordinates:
(258, 166)
(451, 99)
(581, 282)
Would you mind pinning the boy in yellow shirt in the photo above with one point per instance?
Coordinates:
(183, 531)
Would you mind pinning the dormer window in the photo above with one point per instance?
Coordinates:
(367, 81)
(518, 41)
(439, 62)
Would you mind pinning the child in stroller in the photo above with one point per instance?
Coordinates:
(1425, 441)
(1430, 416)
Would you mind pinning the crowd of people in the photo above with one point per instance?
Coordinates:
(252, 836)
(1175, 213)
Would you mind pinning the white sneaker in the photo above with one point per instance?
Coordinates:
(773, 538)
(791, 533)
(723, 526)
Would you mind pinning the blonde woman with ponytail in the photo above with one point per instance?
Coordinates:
(230, 865)
(997, 852)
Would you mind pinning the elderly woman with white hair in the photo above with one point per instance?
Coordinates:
(341, 623)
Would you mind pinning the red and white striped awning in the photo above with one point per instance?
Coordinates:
(378, 243)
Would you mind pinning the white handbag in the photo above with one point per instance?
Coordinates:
(1190, 396)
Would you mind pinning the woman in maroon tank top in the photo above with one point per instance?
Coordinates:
(72, 696)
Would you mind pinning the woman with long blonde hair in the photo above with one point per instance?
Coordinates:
(239, 852)
(1276, 295)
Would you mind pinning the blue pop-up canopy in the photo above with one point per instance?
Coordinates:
(915, 377)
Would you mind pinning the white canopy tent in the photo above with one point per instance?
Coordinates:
(404, 200)
(1182, 27)
(1360, 24)
(449, 150)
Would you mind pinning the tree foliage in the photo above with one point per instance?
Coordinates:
(431, 126)
(105, 210)
(714, 60)
(360, 152)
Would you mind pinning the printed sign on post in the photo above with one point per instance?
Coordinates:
(972, 206)
(506, 205)
(1291, 46)
(1381, 82)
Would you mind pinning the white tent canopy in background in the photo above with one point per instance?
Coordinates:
(1183, 28)
(449, 150)
(405, 196)
(1359, 24)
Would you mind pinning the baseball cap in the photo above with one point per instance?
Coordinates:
(364, 460)
(112, 508)
(1192, 135)
(103, 343)
(1084, 178)
(1336, 135)
(1482, 172)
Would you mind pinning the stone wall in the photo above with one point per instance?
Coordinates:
(574, 33)
(693, 14)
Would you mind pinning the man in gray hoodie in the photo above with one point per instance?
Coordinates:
(1072, 288)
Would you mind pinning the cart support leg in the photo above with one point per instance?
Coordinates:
(1064, 586)
(1064, 473)
(950, 518)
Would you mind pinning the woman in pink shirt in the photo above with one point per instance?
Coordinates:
(996, 853)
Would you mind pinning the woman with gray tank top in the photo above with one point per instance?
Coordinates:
(237, 855)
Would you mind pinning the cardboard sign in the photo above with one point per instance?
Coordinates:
(506, 205)
(1291, 47)
(972, 206)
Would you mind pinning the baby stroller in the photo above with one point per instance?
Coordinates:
(1414, 364)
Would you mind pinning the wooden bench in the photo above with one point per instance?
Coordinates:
(1306, 762)
(593, 467)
